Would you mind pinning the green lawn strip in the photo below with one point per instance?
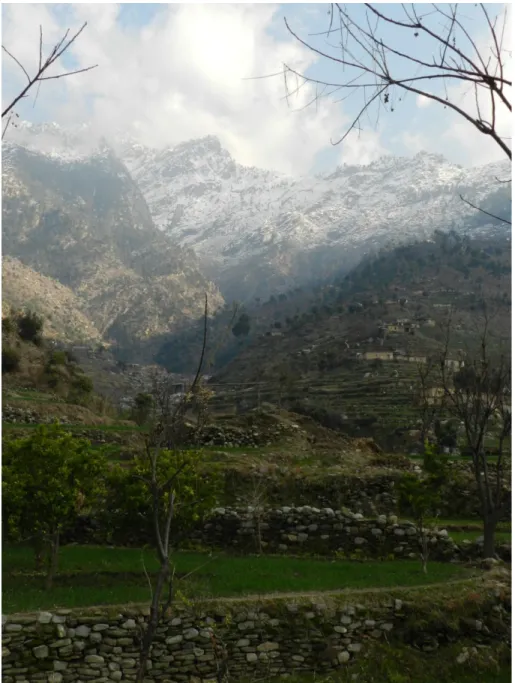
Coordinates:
(78, 427)
(458, 536)
(394, 663)
(462, 524)
(98, 575)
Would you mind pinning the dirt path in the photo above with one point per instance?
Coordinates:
(342, 591)
(256, 597)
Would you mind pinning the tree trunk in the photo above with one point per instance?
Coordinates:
(258, 534)
(490, 525)
(52, 560)
(153, 621)
(38, 553)
(424, 545)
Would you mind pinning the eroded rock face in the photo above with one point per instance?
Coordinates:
(84, 223)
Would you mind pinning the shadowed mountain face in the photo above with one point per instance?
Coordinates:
(83, 222)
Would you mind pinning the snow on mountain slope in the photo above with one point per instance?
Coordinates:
(240, 218)
(257, 231)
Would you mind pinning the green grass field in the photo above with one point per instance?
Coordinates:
(75, 427)
(407, 668)
(97, 575)
(458, 536)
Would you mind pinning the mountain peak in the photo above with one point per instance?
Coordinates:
(205, 146)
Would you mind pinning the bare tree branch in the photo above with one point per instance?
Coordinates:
(487, 213)
(457, 58)
(43, 65)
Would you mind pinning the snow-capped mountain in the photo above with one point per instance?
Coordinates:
(257, 231)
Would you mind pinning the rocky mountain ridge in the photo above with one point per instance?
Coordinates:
(85, 224)
(258, 232)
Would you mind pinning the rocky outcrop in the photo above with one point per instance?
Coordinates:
(84, 223)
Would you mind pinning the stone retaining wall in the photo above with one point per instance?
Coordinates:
(249, 637)
(303, 530)
(316, 531)
(369, 495)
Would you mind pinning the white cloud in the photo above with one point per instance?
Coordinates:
(423, 102)
(181, 77)
(414, 142)
(362, 147)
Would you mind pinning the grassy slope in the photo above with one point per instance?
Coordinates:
(93, 575)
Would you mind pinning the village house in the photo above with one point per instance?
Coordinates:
(394, 328)
(378, 355)
(417, 359)
(453, 364)
(427, 322)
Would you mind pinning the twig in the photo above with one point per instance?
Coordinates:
(478, 208)
(57, 51)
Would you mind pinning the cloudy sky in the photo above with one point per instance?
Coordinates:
(168, 73)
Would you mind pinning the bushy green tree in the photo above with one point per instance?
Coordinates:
(419, 496)
(30, 327)
(8, 325)
(10, 360)
(129, 504)
(242, 327)
(142, 408)
(81, 388)
(48, 478)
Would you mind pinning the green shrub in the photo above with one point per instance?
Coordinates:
(30, 326)
(58, 358)
(70, 356)
(83, 384)
(10, 360)
(143, 404)
(8, 325)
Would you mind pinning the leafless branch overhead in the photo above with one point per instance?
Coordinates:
(381, 68)
(43, 66)
(487, 213)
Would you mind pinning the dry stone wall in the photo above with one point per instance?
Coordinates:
(369, 495)
(248, 638)
(320, 531)
(306, 530)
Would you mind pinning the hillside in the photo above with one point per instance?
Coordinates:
(348, 349)
(82, 221)
(62, 310)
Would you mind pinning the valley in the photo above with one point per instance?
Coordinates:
(324, 473)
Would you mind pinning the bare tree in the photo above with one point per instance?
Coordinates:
(256, 500)
(381, 72)
(478, 394)
(41, 74)
(427, 400)
(168, 431)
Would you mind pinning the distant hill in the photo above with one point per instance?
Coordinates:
(348, 347)
(443, 269)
